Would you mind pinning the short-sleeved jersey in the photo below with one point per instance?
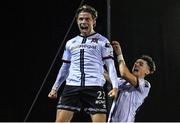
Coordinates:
(128, 101)
(86, 55)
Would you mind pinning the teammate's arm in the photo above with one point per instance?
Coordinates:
(123, 69)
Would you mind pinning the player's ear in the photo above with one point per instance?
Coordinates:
(94, 23)
(147, 72)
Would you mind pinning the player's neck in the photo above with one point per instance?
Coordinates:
(87, 34)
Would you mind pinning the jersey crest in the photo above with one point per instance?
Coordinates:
(95, 40)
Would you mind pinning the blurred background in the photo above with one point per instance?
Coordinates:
(33, 31)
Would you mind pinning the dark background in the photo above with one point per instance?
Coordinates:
(33, 31)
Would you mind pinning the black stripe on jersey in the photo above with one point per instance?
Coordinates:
(82, 63)
(84, 40)
(65, 61)
(108, 57)
(82, 67)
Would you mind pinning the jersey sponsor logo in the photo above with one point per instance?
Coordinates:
(84, 46)
(100, 102)
(87, 46)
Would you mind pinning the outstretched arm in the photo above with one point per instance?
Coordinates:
(123, 69)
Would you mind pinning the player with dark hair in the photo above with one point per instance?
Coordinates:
(83, 67)
(133, 88)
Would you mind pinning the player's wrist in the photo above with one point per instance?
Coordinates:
(114, 85)
(54, 90)
(120, 58)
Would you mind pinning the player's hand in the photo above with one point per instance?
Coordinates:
(113, 92)
(117, 48)
(52, 94)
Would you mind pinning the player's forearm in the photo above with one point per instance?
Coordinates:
(112, 72)
(125, 73)
(106, 76)
(62, 75)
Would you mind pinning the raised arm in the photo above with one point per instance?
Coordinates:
(123, 69)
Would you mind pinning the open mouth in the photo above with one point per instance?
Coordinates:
(135, 70)
(84, 27)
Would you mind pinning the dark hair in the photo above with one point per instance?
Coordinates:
(150, 63)
(89, 9)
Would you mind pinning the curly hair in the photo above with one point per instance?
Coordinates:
(89, 9)
(150, 63)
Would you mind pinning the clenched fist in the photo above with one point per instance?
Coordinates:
(113, 92)
(52, 94)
